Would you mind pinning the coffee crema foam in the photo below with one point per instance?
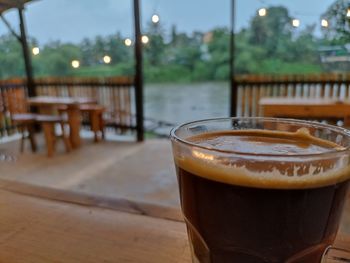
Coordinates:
(266, 159)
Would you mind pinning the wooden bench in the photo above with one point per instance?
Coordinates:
(94, 114)
(48, 123)
(97, 123)
(306, 108)
(250, 89)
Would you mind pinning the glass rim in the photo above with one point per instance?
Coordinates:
(333, 128)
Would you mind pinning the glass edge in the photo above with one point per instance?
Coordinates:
(175, 138)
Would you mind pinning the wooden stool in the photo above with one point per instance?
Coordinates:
(25, 123)
(48, 123)
(95, 113)
(96, 119)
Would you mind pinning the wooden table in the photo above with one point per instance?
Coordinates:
(38, 230)
(306, 108)
(47, 104)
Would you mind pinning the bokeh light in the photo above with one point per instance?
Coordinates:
(35, 51)
(75, 64)
(262, 12)
(107, 59)
(128, 42)
(296, 22)
(145, 39)
(155, 19)
(324, 23)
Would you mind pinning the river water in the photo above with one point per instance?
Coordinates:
(178, 103)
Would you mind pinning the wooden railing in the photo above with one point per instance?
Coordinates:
(251, 88)
(116, 94)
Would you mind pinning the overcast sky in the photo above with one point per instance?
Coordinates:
(72, 20)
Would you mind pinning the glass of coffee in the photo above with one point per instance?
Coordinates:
(261, 190)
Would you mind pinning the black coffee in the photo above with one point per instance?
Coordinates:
(287, 214)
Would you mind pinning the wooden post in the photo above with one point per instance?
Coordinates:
(138, 73)
(26, 55)
(233, 102)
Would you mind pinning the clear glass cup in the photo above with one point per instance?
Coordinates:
(248, 207)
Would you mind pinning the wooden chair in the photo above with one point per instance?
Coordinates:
(15, 101)
(48, 123)
(26, 126)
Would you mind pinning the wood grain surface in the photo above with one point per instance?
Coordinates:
(37, 230)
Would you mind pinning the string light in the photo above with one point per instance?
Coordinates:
(262, 12)
(155, 19)
(324, 23)
(127, 42)
(145, 39)
(35, 51)
(75, 63)
(107, 59)
(296, 22)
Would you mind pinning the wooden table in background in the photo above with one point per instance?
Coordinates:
(306, 108)
(38, 230)
(46, 105)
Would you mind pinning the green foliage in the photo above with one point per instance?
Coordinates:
(272, 32)
(276, 66)
(11, 59)
(125, 69)
(171, 73)
(218, 52)
(154, 50)
(203, 71)
(339, 24)
(55, 59)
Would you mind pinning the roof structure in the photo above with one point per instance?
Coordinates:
(8, 4)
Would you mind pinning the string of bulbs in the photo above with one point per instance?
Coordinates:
(74, 63)
(155, 19)
(296, 22)
(107, 59)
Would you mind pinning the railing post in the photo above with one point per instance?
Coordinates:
(233, 86)
(26, 55)
(138, 73)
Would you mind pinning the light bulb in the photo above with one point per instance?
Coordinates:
(75, 64)
(262, 12)
(145, 39)
(127, 42)
(296, 22)
(155, 19)
(35, 51)
(107, 59)
(324, 23)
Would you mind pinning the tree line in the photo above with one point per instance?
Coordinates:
(269, 45)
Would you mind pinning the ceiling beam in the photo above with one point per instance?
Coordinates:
(13, 32)
(8, 4)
